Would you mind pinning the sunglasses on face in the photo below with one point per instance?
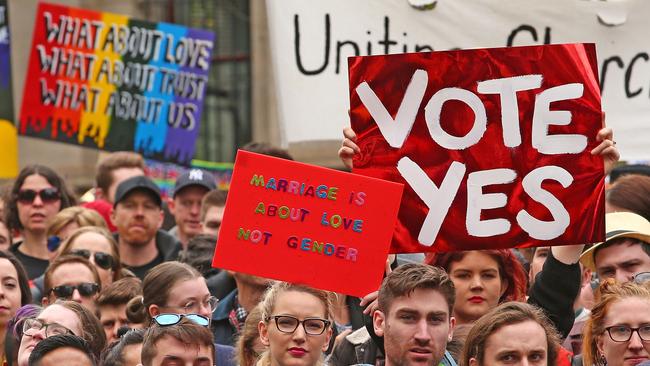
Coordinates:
(85, 289)
(47, 195)
(172, 319)
(102, 260)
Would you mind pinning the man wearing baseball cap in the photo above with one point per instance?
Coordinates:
(185, 204)
(625, 251)
(137, 214)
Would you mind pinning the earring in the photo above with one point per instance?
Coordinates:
(603, 360)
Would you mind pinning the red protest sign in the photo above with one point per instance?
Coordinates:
(305, 224)
(493, 145)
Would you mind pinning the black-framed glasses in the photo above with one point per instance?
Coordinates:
(33, 325)
(172, 319)
(623, 333)
(48, 195)
(85, 289)
(194, 307)
(289, 324)
(641, 278)
(102, 260)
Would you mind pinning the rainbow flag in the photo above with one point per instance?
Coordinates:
(109, 82)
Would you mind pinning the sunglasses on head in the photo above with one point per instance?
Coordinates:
(48, 195)
(53, 243)
(172, 319)
(102, 260)
(85, 289)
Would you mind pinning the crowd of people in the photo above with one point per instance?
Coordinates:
(104, 282)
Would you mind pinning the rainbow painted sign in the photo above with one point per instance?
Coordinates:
(109, 82)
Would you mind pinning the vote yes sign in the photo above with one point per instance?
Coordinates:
(493, 145)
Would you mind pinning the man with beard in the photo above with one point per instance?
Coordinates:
(138, 216)
(413, 320)
(231, 312)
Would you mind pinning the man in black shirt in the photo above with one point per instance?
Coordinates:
(137, 214)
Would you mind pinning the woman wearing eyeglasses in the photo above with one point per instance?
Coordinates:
(36, 196)
(295, 325)
(174, 290)
(618, 331)
(174, 287)
(62, 317)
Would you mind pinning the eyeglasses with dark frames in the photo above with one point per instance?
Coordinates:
(623, 333)
(289, 324)
(33, 325)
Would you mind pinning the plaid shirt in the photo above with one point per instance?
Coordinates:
(237, 316)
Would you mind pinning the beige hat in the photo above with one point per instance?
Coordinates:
(619, 225)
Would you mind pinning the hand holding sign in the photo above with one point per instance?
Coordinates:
(493, 144)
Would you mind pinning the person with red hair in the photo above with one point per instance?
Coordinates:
(483, 279)
(487, 278)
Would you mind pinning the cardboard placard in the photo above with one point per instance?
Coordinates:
(305, 224)
(493, 145)
(109, 82)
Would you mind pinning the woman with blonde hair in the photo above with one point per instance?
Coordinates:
(66, 221)
(249, 346)
(94, 243)
(295, 326)
(98, 246)
(618, 331)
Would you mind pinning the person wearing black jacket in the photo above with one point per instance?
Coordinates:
(137, 214)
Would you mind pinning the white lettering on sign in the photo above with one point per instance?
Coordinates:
(478, 201)
(432, 116)
(507, 89)
(532, 183)
(396, 130)
(439, 199)
(544, 117)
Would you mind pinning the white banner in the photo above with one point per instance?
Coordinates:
(311, 40)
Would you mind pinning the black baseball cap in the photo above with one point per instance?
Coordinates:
(139, 182)
(195, 177)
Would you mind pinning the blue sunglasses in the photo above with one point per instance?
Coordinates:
(172, 319)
